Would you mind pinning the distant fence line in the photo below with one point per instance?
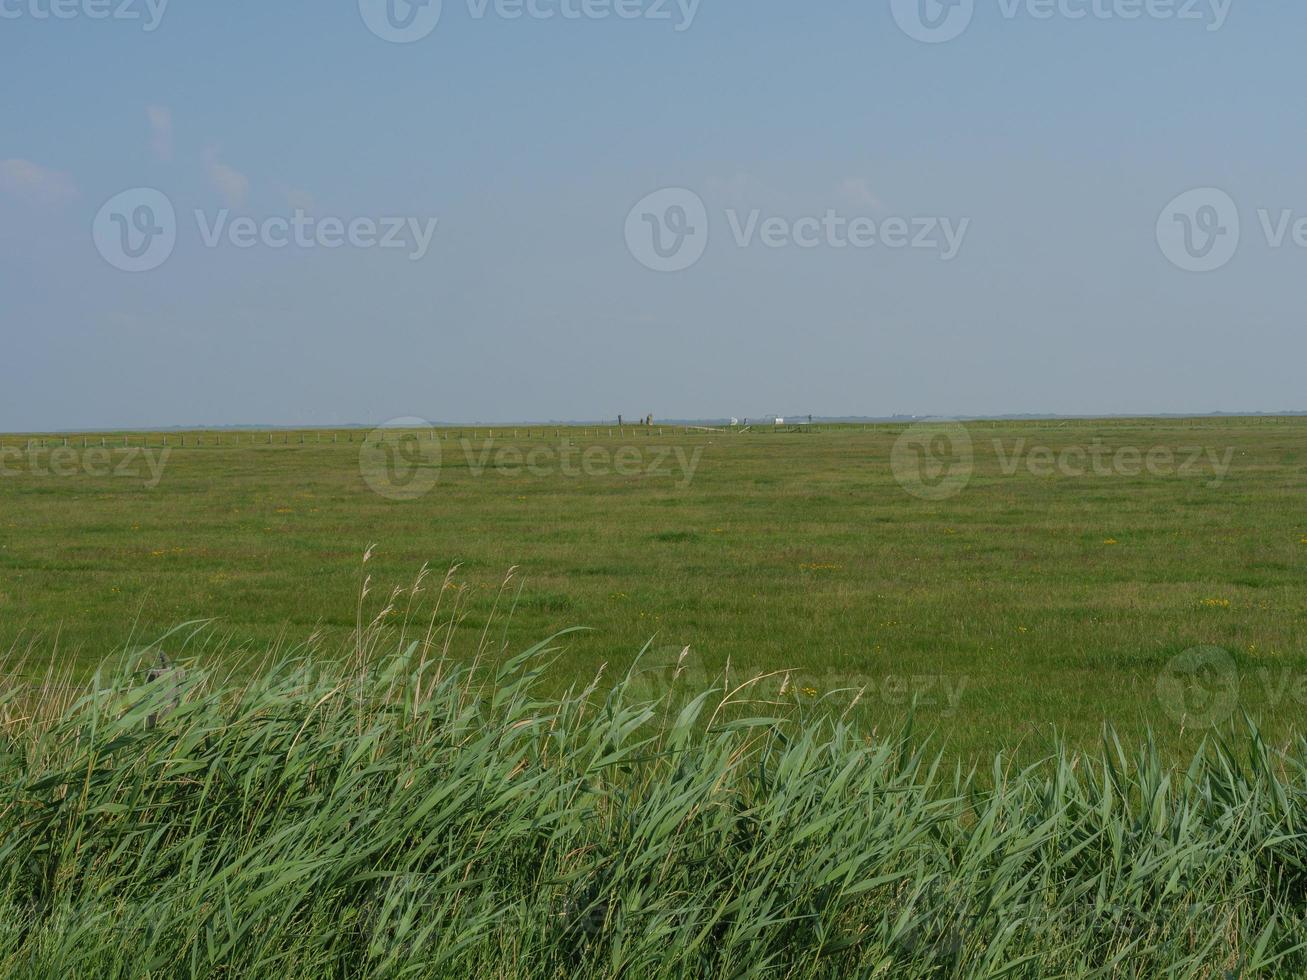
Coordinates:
(190, 440)
(293, 437)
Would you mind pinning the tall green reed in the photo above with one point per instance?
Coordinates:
(421, 805)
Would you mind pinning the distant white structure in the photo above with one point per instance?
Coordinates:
(779, 420)
(735, 421)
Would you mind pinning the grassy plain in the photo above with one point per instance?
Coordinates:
(1040, 596)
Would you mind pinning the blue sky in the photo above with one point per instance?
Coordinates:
(1050, 144)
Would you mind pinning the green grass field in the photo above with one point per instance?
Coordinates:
(1044, 594)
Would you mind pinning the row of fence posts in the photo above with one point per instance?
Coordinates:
(253, 438)
(143, 440)
(197, 440)
(219, 440)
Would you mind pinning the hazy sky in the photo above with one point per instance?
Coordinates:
(880, 208)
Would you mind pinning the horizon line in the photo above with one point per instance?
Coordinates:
(765, 419)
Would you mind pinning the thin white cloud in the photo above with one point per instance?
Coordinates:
(29, 181)
(160, 118)
(230, 182)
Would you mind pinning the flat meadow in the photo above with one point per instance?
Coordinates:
(938, 700)
(1042, 580)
